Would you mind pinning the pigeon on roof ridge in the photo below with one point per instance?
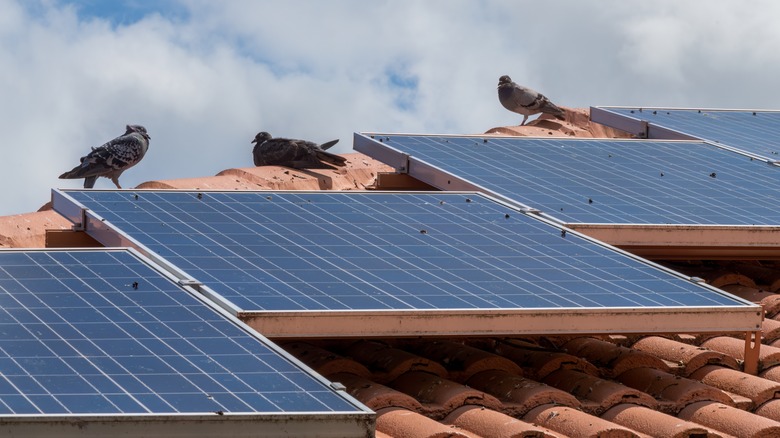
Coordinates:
(297, 154)
(524, 100)
(112, 158)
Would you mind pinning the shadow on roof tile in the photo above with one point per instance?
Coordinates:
(613, 359)
(387, 363)
(538, 363)
(678, 391)
(441, 396)
(462, 361)
(604, 393)
(324, 361)
(518, 394)
(374, 395)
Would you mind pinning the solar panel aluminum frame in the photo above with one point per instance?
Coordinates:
(461, 322)
(648, 130)
(239, 424)
(746, 241)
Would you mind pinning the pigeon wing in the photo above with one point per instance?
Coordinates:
(116, 155)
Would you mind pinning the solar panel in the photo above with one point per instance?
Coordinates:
(594, 180)
(410, 261)
(752, 132)
(101, 332)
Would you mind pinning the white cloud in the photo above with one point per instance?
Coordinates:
(205, 79)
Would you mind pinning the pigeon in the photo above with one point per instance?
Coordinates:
(525, 101)
(112, 158)
(297, 154)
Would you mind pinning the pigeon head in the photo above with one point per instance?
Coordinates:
(261, 137)
(503, 80)
(139, 129)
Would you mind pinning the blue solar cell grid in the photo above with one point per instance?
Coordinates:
(384, 251)
(606, 181)
(101, 332)
(755, 132)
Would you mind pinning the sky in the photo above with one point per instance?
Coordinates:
(205, 76)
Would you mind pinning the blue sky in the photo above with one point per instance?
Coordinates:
(204, 77)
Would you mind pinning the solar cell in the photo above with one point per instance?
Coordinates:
(596, 180)
(752, 132)
(100, 332)
(372, 253)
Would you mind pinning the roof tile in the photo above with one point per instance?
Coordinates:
(574, 423)
(489, 423)
(768, 356)
(518, 394)
(664, 386)
(690, 357)
(375, 395)
(388, 362)
(604, 393)
(397, 422)
(325, 361)
(757, 389)
(613, 359)
(653, 423)
(463, 361)
(539, 362)
(440, 396)
(730, 420)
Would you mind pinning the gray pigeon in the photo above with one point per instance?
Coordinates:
(112, 158)
(525, 101)
(297, 154)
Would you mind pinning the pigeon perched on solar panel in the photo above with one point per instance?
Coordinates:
(297, 154)
(112, 158)
(524, 100)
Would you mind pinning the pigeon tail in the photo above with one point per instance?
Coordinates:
(328, 145)
(336, 160)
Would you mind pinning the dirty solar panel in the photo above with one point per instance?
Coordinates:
(605, 181)
(319, 251)
(755, 132)
(101, 332)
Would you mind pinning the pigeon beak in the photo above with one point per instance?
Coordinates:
(254, 141)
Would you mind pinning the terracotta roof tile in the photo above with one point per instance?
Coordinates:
(387, 363)
(653, 423)
(771, 305)
(539, 362)
(680, 391)
(768, 356)
(440, 396)
(359, 174)
(375, 395)
(463, 361)
(397, 422)
(604, 393)
(613, 359)
(489, 423)
(730, 420)
(29, 230)
(518, 394)
(690, 357)
(770, 331)
(757, 389)
(574, 423)
(770, 409)
(324, 361)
